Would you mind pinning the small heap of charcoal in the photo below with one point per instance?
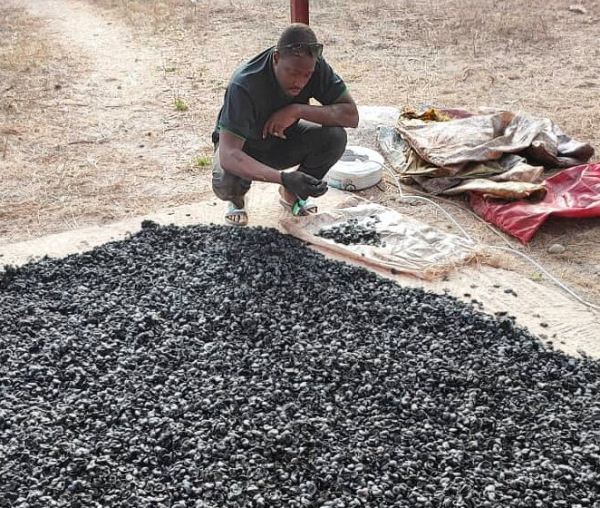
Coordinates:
(354, 232)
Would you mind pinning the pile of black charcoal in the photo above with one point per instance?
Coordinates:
(353, 232)
(230, 367)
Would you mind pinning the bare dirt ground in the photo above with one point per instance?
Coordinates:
(106, 107)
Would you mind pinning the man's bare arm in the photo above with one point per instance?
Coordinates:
(341, 114)
(235, 161)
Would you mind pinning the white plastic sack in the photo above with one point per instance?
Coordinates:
(410, 246)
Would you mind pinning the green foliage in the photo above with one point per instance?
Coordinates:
(203, 161)
(180, 104)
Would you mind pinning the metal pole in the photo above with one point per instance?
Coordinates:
(299, 11)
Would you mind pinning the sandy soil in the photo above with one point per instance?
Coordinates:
(107, 106)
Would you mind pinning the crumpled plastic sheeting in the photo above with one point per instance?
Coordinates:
(487, 137)
(507, 190)
(573, 192)
(492, 149)
(509, 168)
(410, 246)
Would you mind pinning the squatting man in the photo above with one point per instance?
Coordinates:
(266, 124)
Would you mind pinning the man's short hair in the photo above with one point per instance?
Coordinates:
(294, 36)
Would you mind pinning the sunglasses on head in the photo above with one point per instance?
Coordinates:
(314, 49)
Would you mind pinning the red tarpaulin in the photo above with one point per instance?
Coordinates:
(573, 192)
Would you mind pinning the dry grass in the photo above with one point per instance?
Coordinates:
(69, 156)
(27, 66)
(502, 53)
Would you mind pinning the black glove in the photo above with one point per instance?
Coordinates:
(303, 185)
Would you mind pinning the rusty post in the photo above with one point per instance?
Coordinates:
(299, 11)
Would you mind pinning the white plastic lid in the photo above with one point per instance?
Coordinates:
(358, 168)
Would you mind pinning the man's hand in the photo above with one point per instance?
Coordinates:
(303, 185)
(280, 121)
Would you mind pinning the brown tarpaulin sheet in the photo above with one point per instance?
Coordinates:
(498, 153)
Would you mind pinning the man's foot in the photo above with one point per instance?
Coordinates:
(236, 215)
(296, 206)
